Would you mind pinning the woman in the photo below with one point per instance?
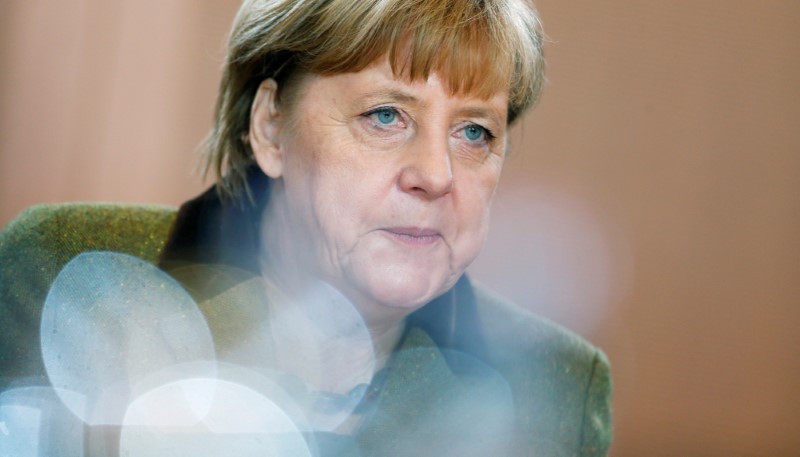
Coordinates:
(359, 145)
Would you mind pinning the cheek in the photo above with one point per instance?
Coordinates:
(471, 239)
(473, 199)
(476, 188)
(343, 196)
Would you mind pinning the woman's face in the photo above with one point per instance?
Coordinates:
(383, 186)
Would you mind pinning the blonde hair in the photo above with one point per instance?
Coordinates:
(477, 46)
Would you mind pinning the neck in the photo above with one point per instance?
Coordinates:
(318, 336)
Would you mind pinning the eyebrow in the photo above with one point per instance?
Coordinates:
(393, 95)
(483, 113)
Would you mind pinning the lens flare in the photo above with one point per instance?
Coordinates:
(320, 351)
(111, 320)
(248, 416)
(34, 422)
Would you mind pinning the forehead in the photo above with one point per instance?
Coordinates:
(379, 83)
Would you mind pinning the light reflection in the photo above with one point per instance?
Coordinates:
(34, 422)
(108, 322)
(322, 340)
(565, 261)
(235, 420)
(129, 353)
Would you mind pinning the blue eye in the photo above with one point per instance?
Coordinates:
(474, 132)
(385, 115)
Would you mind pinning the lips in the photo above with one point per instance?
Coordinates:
(414, 235)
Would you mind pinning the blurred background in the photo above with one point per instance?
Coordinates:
(651, 202)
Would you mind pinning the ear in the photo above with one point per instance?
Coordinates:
(264, 129)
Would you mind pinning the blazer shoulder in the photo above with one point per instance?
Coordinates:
(509, 325)
(560, 381)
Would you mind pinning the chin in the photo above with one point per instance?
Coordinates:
(408, 291)
(402, 298)
(388, 279)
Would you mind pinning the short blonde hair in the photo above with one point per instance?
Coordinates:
(477, 46)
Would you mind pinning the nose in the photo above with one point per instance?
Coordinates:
(427, 171)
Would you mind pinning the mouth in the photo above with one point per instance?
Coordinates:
(414, 236)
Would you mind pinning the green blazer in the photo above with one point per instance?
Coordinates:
(552, 387)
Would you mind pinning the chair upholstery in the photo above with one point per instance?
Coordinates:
(40, 241)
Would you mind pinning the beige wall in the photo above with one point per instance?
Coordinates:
(106, 100)
(651, 202)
